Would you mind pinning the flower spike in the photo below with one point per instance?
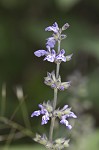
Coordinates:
(48, 109)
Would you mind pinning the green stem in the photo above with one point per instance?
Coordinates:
(9, 138)
(51, 129)
(25, 113)
(55, 99)
(3, 99)
(57, 70)
(59, 45)
(16, 126)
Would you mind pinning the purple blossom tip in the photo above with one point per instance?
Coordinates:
(66, 123)
(35, 113)
(69, 127)
(53, 28)
(62, 52)
(40, 53)
(72, 115)
(51, 42)
(65, 107)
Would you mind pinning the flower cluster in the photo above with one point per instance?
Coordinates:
(51, 41)
(53, 82)
(59, 143)
(52, 56)
(48, 110)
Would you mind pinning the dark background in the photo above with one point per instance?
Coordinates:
(22, 24)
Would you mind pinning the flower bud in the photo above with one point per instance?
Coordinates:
(65, 26)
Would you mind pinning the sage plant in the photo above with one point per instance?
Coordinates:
(48, 109)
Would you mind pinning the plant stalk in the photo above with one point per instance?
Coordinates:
(55, 99)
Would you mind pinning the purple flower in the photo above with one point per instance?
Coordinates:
(65, 122)
(72, 115)
(53, 28)
(36, 113)
(64, 118)
(66, 113)
(49, 54)
(51, 42)
(43, 112)
(65, 107)
(40, 53)
(45, 118)
(60, 56)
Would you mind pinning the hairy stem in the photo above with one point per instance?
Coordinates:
(51, 129)
(55, 99)
(57, 70)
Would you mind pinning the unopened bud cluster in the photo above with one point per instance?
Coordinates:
(54, 82)
(59, 143)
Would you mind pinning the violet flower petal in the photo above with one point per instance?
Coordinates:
(50, 56)
(61, 56)
(65, 107)
(40, 53)
(53, 28)
(66, 123)
(45, 118)
(43, 110)
(36, 113)
(51, 42)
(72, 115)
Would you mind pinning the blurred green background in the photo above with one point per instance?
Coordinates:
(22, 24)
